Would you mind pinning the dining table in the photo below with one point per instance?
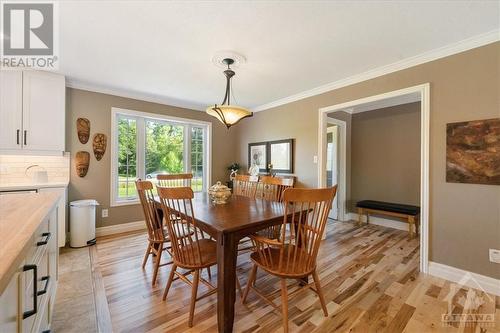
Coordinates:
(228, 223)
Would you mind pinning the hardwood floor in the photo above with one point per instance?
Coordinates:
(369, 276)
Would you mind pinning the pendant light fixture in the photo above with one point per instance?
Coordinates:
(227, 113)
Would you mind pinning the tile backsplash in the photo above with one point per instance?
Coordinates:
(14, 168)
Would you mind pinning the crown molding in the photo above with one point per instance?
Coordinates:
(442, 52)
(385, 103)
(77, 84)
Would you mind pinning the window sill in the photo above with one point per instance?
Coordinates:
(125, 203)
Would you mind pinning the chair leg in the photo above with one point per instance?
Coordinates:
(169, 282)
(251, 280)
(194, 291)
(209, 272)
(157, 265)
(284, 305)
(146, 255)
(238, 286)
(320, 293)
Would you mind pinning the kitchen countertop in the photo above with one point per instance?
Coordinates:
(30, 186)
(20, 216)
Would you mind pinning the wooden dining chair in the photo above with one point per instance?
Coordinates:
(175, 180)
(272, 188)
(157, 236)
(178, 180)
(245, 185)
(293, 254)
(191, 251)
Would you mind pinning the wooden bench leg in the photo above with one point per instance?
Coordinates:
(360, 216)
(417, 224)
(411, 225)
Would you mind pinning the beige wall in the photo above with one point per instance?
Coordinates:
(464, 218)
(385, 150)
(96, 184)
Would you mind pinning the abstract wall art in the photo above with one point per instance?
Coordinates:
(473, 152)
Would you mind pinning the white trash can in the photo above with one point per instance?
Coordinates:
(82, 223)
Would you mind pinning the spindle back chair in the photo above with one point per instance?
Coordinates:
(153, 217)
(245, 185)
(191, 248)
(272, 188)
(175, 180)
(293, 254)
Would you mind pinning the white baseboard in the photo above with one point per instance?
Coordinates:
(381, 221)
(119, 228)
(466, 278)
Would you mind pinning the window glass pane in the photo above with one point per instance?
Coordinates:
(127, 158)
(197, 158)
(164, 148)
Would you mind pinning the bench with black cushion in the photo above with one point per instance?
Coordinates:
(409, 213)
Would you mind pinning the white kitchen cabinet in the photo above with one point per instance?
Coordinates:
(61, 212)
(9, 306)
(11, 109)
(33, 103)
(43, 111)
(18, 313)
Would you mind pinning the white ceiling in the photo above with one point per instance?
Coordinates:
(163, 50)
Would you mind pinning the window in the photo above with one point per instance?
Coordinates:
(145, 145)
(127, 158)
(197, 157)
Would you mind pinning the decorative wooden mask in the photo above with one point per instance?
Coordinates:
(99, 144)
(82, 162)
(83, 129)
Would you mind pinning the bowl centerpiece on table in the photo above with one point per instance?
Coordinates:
(219, 193)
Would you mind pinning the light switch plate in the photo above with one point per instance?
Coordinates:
(495, 256)
(315, 159)
(104, 213)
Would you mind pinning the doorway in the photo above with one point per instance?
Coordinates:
(332, 168)
(423, 94)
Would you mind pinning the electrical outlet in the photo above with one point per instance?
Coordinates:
(495, 256)
(315, 159)
(104, 213)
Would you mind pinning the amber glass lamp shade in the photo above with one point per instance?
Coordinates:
(228, 114)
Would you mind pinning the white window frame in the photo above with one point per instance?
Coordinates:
(141, 117)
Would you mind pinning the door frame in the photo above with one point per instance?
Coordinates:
(424, 91)
(341, 164)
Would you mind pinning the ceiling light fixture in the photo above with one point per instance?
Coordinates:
(227, 113)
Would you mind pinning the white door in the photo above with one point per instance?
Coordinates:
(11, 109)
(332, 165)
(43, 111)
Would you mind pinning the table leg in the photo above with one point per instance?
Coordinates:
(226, 281)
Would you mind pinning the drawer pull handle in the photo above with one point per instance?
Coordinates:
(44, 290)
(45, 241)
(29, 313)
(18, 136)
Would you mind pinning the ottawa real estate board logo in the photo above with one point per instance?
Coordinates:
(29, 35)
